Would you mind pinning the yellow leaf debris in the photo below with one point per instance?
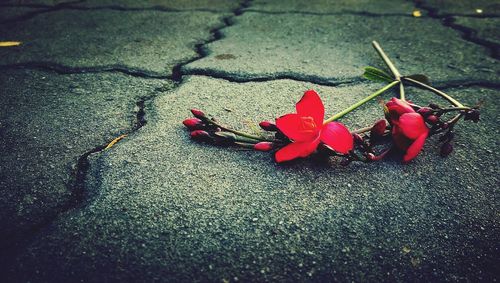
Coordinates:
(479, 11)
(9, 43)
(417, 13)
(406, 249)
(113, 142)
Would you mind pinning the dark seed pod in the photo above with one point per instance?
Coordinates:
(446, 149)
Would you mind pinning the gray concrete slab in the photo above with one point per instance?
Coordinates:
(226, 5)
(149, 42)
(47, 121)
(487, 29)
(326, 7)
(464, 7)
(166, 208)
(9, 14)
(332, 48)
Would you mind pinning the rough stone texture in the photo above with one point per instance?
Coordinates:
(226, 5)
(9, 14)
(464, 7)
(338, 47)
(151, 42)
(167, 208)
(46, 122)
(484, 28)
(344, 6)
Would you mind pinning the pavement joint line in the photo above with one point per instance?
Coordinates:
(468, 34)
(274, 77)
(346, 12)
(65, 70)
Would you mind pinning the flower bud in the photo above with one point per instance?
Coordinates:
(200, 135)
(268, 126)
(198, 113)
(472, 115)
(378, 129)
(432, 119)
(446, 149)
(193, 124)
(447, 137)
(357, 138)
(434, 106)
(424, 111)
(263, 146)
(445, 125)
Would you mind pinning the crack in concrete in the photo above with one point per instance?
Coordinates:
(65, 70)
(468, 34)
(231, 77)
(345, 12)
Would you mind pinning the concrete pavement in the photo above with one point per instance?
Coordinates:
(160, 207)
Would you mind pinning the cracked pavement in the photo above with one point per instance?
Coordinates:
(159, 207)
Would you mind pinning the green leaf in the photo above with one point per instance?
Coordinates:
(421, 78)
(377, 75)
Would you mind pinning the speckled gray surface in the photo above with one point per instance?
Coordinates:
(337, 47)
(159, 207)
(166, 208)
(486, 29)
(464, 7)
(328, 7)
(46, 122)
(216, 5)
(151, 42)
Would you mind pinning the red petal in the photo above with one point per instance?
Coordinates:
(310, 105)
(295, 150)
(292, 125)
(401, 141)
(337, 136)
(412, 125)
(415, 148)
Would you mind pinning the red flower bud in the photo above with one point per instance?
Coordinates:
(473, 115)
(198, 113)
(264, 146)
(446, 149)
(378, 129)
(268, 126)
(200, 135)
(357, 138)
(193, 124)
(424, 111)
(432, 119)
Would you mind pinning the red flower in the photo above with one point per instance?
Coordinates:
(306, 130)
(408, 128)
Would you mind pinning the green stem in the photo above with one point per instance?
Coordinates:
(238, 132)
(436, 91)
(387, 61)
(391, 67)
(359, 103)
(402, 91)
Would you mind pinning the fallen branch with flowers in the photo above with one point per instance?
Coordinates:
(406, 126)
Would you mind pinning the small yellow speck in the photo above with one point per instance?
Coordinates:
(406, 249)
(9, 43)
(417, 14)
(113, 142)
(479, 11)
